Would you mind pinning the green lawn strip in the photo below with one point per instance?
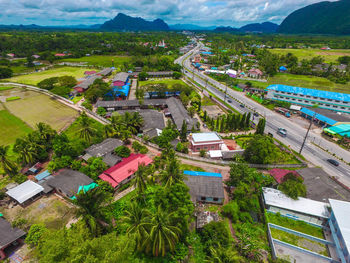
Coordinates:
(13, 98)
(296, 225)
(76, 99)
(242, 140)
(169, 82)
(11, 128)
(299, 241)
(207, 102)
(189, 167)
(5, 88)
(101, 61)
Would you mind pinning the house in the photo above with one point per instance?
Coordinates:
(242, 86)
(9, 237)
(152, 119)
(11, 55)
(207, 141)
(36, 56)
(60, 55)
(84, 85)
(68, 182)
(132, 104)
(105, 150)
(123, 172)
(230, 155)
(152, 133)
(160, 74)
(26, 192)
(120, 79)
(255, 73)
(179, 114)
(342, 130)
(197, 59)
(323, 117)
(205, 187)
(105, 72)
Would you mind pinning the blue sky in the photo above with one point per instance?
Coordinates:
(201, 12)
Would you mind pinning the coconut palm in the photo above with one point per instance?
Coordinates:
(86, 131)
(8, 165)
(162, 235)
(108, 130)
(26, 150)
(135, 217)
(172, 172)
(46, 133)
(140, 179)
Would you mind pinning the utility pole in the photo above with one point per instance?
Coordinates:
(307, 133)
(225, 94)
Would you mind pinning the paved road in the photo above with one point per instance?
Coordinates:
(274, 120)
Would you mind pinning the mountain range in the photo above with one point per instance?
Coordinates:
(320, 18)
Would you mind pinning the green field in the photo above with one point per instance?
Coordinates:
(102, 61)
(35, 78)
(169, 82)
(329, 55)
(5, 88)
(11, 128)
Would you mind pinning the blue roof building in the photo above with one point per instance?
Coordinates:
(196, 173)
(283, 68)
(308, 97)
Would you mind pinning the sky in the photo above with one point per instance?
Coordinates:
(233, 13)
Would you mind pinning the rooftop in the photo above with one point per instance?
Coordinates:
(101, 149)
(151, 118)
(206, 186)
(25, 191)
(8, 234)
(278, 174)
(306, 206)
(328, 116)
(205, 137)
(311, 92)
(121, 76)
(196, 173)
(341, 211)
(179, 113)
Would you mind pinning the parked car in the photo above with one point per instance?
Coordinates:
(256, 114)
(334, 162)
(229, 101)
(282, 132)
(242, 106)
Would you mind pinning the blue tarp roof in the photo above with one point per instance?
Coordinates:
(318, 116)
(207, 52)
(283, 68)
(195, 173)
(125, 89)
(311, 92)
(42, 175)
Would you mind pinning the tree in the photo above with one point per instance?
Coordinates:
(183, 132)
(90, 208)
(191, 111)
(143, 76)
(122, 151)
(261, 149)
(261, 127)
(202, 153)
(177, 75)
(293, 186)
(35, 233)
(101, 111)
(162, 235)
(5, 73)
(86, 131)
(26, 150)
(172, 172)
(7, 164)
(140, 178)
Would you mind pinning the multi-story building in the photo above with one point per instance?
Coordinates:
(309, 97)
(207, 141)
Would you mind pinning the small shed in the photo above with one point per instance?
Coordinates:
(25, 192)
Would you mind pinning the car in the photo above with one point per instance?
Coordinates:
(282, 132)
(229, 101)
(334, 162)
(241, 105)
(256, 114)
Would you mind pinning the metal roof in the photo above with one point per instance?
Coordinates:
(205, 186)
(318, 116)
(205, 137)
(196, 173)
(311, 92)
(341, 129)
(42, 175)
(306, 206)
(25, 191)
(8, 234)
(341, 211)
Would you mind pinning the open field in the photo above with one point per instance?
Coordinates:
(35, 78)
(51, 211)
(11, 128)
(34, 107)
(102, 61)
(169, 82)
(329, 55)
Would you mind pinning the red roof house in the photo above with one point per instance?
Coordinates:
(122, 172)
(278, 174)
(60, 55)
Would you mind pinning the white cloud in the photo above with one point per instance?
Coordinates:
(203, 12)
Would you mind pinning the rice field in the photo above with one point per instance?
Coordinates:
(100, 61)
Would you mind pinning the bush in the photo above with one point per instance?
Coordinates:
(122, 151)
(87, 105)
(35, 233)
(202, 153)
(2, 195)
(20, 178)
(231, 210)
(20, 223)
(293, 186)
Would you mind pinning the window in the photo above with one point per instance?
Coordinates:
(308, 96)
(301, 95)
(343, 108)
(299, 100)
(282, 92)
(345, 102)
(329, 100)
(328, 105)
(198, 149)
(293, 99)
(322, 99)
(205, 148)
(129, 177)
(216, 199)
(212, 147)
(337, 101)
(335, 106)
(313, 102)
(203, 198)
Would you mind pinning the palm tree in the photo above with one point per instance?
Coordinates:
(8, 165)
(140, 179)
(90, 208)
(46, 133)
(172, 172)
(86, 131)
(108, 130)
(135, 217)
(162, 235)
(26, 150)
(136, 120)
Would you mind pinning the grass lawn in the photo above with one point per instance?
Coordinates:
(296, 225)
(102, 61)
(169, 82)
(38, 107)
(51, 211)
(189, 167)
(329, 55)
(35, 78)
(77, 99)
(299, 241)
(11, 128)
(5, 88)
(207, 102)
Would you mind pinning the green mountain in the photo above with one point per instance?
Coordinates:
(320, 18)
(123, 22)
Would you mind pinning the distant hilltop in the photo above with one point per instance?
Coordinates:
(124, 22)
(266, 27)
(320, 18)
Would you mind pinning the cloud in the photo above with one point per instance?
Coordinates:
(202, 12)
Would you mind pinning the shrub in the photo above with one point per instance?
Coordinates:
(122, 151)
(87, 105)
(231, 210)
(202, 153)
(35, 233)
(20, 178)
(20, 223)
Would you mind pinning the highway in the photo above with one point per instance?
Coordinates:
(296, 133)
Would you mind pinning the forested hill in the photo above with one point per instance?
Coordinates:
(320, 18)
(123, 22)
(266, 27)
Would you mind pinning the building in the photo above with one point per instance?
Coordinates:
(105, 72)
(339, 224)
(342, 130)
(9, 237)
(68, 182)
(310, 211)
(179, 114)
(123, 172)
(26, 192)
(279, 174)
(160, 74)
(255, 73)
(208, 141)
(84, 85)
(105, 150)
(120, 79)
(132, 104)
(323, 117)
(152, 119)
(308, 97)
(205, 187)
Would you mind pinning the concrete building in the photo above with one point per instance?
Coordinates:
(120, 79)
(308, 97)
(208, 141)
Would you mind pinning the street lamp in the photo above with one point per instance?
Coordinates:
(307, 132)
